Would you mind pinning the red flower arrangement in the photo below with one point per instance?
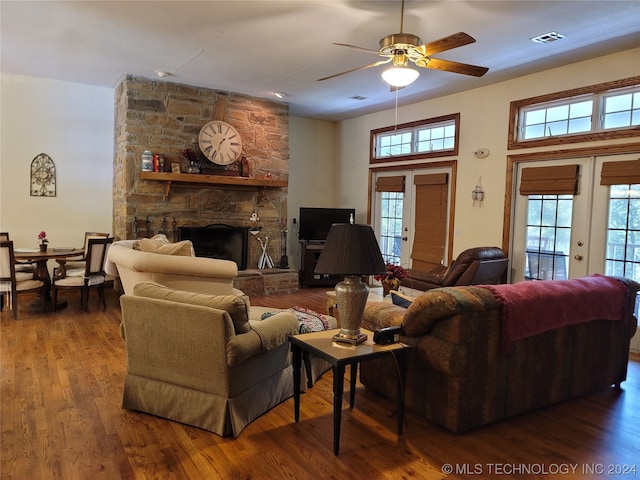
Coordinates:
(393, 272)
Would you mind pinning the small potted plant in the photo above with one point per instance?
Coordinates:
(42, 236)
(391, 278)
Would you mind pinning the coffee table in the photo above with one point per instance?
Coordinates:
(339, 355)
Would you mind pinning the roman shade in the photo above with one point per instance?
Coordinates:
(390, 184)
(559, 180)
(620, 173)
(431, 220)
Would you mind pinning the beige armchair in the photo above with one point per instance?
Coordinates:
(199, 360)
(191, 274)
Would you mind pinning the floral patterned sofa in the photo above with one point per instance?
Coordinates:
(482, 353)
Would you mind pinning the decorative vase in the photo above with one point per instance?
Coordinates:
(43, 247)
(389, 284)
(193, 167)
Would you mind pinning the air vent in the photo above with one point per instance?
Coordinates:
(358, 97)
(548, 37)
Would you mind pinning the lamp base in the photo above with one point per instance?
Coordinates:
(350, 339)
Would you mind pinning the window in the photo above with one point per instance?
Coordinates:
(599, 112)
(436, 137)
(548, 236)
(623, 231)
(391, 226)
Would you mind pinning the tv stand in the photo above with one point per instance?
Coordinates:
(310, 253)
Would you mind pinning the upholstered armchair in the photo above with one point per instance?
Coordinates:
(199, 360)
(173, 266)
(475, 266)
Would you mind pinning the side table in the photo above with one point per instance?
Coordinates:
(339, 355)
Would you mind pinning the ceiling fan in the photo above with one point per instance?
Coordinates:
(400, 48)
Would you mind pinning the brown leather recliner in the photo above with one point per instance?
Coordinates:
(475, 266)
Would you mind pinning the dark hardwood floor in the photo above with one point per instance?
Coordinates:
(61, 378)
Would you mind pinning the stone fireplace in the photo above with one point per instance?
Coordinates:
(166, 118)
(219, 241)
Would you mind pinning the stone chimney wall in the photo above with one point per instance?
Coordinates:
(166, 118)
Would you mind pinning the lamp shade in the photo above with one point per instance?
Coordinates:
(400, 76)
(350, 250)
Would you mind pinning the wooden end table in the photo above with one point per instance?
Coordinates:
(339, 355)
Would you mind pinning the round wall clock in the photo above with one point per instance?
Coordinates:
(220, 142)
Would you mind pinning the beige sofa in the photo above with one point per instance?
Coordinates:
(188, 273)
(199, 360)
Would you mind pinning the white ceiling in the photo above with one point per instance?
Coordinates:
(260, 47)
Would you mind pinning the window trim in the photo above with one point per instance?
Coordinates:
(414, 126)
(517, 106)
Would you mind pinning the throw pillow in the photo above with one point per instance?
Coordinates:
(183, 248)
(237, 306)
(309, 320)
(400, 299)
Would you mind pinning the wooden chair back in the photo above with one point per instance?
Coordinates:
(9, 286)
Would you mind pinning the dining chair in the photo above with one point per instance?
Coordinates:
(80, 262)
(92, 275)
(10, 283)
(28, 267)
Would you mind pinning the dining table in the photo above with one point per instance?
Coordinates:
(41, 260)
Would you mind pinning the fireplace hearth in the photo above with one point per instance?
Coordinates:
(220, 241)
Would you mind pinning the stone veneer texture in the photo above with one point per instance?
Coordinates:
(166, 118)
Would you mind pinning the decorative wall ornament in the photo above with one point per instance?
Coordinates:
(43, 176)
(478, 193)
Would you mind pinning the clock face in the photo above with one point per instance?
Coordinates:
(220, 142)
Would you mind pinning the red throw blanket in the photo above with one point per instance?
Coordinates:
(533, 307)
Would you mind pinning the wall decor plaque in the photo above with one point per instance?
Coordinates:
(43, 176)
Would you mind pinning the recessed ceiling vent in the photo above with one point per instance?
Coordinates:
(548, 37)
(358, 97)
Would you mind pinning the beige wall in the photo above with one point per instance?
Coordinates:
(312, 165)
(483, 124)
(73, 124)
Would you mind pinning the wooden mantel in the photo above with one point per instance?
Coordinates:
(200, 180)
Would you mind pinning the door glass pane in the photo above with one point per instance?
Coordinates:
(623, 232)
(548, 237)
(391, 226)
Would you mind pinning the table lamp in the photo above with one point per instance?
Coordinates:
(351, 250)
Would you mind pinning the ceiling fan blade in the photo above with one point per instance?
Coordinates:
(455, 67)
(367, 50)
(374, 64)
(447, 43)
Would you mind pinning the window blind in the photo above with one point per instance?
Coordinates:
(390, 184)
(560, 180)
(620, 173)
(431, 221)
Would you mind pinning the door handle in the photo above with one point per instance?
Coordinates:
(578, 257)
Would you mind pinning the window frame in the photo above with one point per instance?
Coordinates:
(597, 92)
(415, 127)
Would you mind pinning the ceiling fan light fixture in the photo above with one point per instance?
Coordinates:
(399, 76)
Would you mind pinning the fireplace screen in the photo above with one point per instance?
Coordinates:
(219, 241)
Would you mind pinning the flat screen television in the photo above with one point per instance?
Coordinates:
(316, 222)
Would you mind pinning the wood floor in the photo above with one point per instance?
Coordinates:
(61, 385)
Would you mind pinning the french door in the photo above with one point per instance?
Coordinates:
(403, 203)
(597, 230)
